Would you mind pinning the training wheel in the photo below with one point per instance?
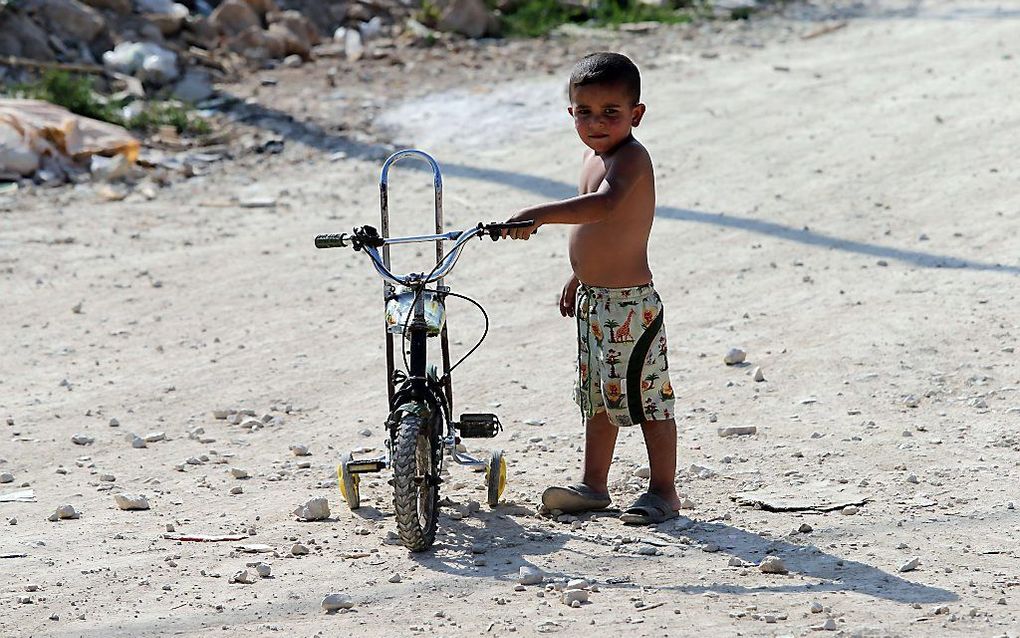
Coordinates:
(348, 483)
(495, 477)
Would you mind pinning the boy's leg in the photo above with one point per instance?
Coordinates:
(660, 441)
(599, 443)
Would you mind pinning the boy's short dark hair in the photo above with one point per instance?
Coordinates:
(605, 67)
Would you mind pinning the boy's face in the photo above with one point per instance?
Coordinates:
(603, 114)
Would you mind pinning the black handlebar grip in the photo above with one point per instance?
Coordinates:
(332, 240)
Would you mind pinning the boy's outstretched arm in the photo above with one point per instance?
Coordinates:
(631, 166)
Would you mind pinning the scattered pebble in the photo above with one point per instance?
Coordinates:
(243, 576)
(136, 441)
(772, 565)
(114, 423)
(737, 430)
(395, 578)
(643, 472)
(155, 437)
(816, 607)
(300, 450)
(264, 570)
(63, 512)
(735, 562)
(238, 473)
(6, 477)
(131, 501)
(82, 439)
(315, 509)
(911, 564)
(237, 489)
(734, 356)
(530, 575)
(850, 510)
(758, 374)
(298, 549)
(805, 528)
(571, 596)
(335, 602)
(828, 625)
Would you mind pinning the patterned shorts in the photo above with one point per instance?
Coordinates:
(621, 364)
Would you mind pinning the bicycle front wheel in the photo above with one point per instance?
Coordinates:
(416, 483)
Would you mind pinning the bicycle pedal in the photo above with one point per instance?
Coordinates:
(478, 426)
(362, 466)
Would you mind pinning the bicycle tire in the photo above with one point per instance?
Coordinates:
(415, 483)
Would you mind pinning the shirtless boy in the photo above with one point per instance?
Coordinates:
(623, 376)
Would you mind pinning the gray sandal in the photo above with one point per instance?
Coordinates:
(574, 498)
(649, 509)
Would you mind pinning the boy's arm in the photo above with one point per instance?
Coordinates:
(630, 168)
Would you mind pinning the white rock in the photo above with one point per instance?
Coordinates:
(63, 512)
(735, 562)
(850, 510)
(395, 578)
(911, 401)
(643, 472)
(243, 576)
(336, 602)
(570, 596)
(6, 477)
(737, 430)
(734, 356)
(299, 450)
(911, 564)
(238, 473)
(816, 607)
(264, 570)
(155, 437)
(136, 441)
(578, 583)
(534, 422)
(315, 509)
(772, 565)
(131, 501)
(530, 575)
(82, 439)
(758, 374)
(829, 625)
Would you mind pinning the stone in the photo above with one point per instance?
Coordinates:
(107, 478)
(735, 562)
(264, 570)
(734, 356)
(829, 625)
(220, 415)
(114, 423)
(335, 602)
(298, 549)
(687, 504)
(911, 401)
(238, 473)
(816, 607)
(71, 20)
(912, 478)
(21, 37)
(6, 477)
(136, 441)
(910, 565)
(232, 17)
(243, 576)
(395, 578)
(805, 528)
(131, 501)
(292, 61)
(737, 430)
(850, 510)
(466, 17)
(82, 439)
(772, 565)
(298, 32)
(710, 548)
(155, 437)
(530, 575)
(64, 512)
(578, 583)
(237, 489)
(758, 374)
(643, 472)
(195, 86)
(315, 509)
(300, 450)
(570, 596)
(257, 44)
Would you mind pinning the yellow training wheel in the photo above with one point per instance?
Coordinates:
(495, 477)
(348, 483)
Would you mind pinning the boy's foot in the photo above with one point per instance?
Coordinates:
(574, 498)
(649, 509)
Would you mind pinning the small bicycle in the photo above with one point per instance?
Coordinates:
(420, 423)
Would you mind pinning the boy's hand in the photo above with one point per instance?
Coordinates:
(568, 298)
(523, 232)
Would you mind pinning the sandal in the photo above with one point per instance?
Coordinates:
(574, 498)
(649, 509)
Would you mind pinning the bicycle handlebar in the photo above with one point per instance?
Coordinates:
(368, 239)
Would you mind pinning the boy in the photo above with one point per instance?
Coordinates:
(623, 377)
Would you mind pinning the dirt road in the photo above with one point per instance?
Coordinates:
(844, 208)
